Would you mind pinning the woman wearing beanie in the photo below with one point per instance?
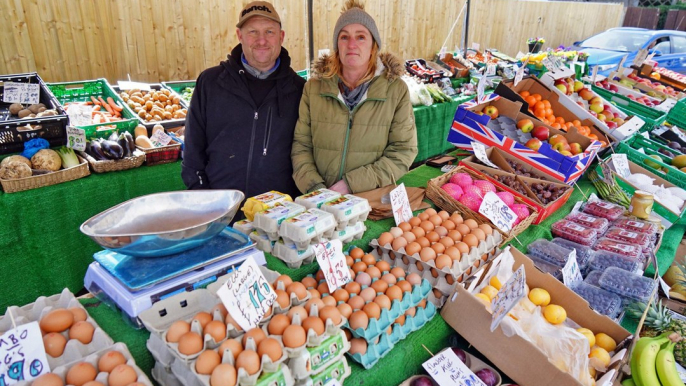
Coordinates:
(356, 129)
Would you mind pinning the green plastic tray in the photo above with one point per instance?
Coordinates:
(677, 115)
(666, 171)
(651, 116)
(177, 87)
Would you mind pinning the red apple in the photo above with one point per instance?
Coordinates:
(491, 111)
(557, 138)
(541, 132)
(611, 125)
(525, 125)
(596, 99)
(562, 87)
(608, 114)
(559, 147)
(593, 113)
(586, 94)
(566, 153)
(534, 144)
(602, 117)
(575, 148)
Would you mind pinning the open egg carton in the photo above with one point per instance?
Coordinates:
(67, 312)
(339, 370)
(101, 366)
(315, 361)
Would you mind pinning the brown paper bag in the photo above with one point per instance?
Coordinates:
(381, 211)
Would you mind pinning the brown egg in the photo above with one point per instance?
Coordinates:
(357, 253)
(456, 218)
(344, 309)
(373, 272)
(207, 361)
(394, 292)
(409, 236)
(223, 375)
(444, 215)
(349, 261)
(441, 231)
(400, 320)
(249, 361)
(398, 272)
(434, 272)
(413, 248)
(472, 224)
(411, 312)
(309, 282)
(177, 329)
(427, 225)
(48, 379)
(333, 313)
(110, 360)
(368, 294)
(282, 299)
(341, 295)
(298, 289)
(415, 221)
(257, 334)
(383, 301)
(81, 373)
(423, 242)
(405, 286)
(56, 320)
(353, 288)
(427, 254)
(79, 314)
(383, 266)
(439, 248)
(190, 343)
(271, 348)
(319, 276)
(358, 346)
(318, 302)
(389, 278)
(481, 235)
(471, 240)
(314, 323)
(449, 225)
(454, 253)
(424, 216)
(413, 279)
(462, 247)
(216, 329)
(300, 310)
(422, 304)
(363, 279)
(122, 375)
(54, 343)
(380, 286)
(384, 239)
(359, 319)
(433, 237)
(283, 278)
(464, 229)
(267, 315)
(329, 301)
(203, 318)
(436, 220)
(323, 288)
(294, 336)
(359, 266)
(419, 232)
(356, 302)
(370, 259)
(235, 346)
(278, 324)
(449, 279)
(398, 243)
(314, 293)
(431, 211)
(444, 261)
(455, 235)
(447, 242)
(488, 230)
(405, 226)
(372, 310)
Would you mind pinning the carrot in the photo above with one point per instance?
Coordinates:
(95, 101)
(106, 105)
(96, 108)
(114, 106)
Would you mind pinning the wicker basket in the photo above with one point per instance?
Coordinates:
(162, 154)
(444, 201)
(131, 162)
(41, 180)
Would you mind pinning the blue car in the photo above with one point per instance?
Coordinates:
(607, 49)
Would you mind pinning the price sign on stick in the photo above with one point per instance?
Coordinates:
(247, 295)
(571, 275)
(498, 212)
(160, 138)
(491, 69)
(128, 85)
(508, 296)
(481, 89)
(447, 369)
(621, 62)
(332, 262)
(621, 165)
(519, 75)
(480, 153)
(595, 74)
(76, 138)
(400, 204)
(23, 354)
(24, 93)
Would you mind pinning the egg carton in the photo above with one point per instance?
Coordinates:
(164, 376)
(338, 370)
(317, 198)
(294, 300)
(413, 323)
(93, 358)
(74, 350)
(315, 360)
(289, 254)
(244, 226)
(269, 221)
(313, 339)
(374, 353)
(350, 233)
(437, 301)
(262, 241)
(263, 202)
(348, 210)
(310, 227)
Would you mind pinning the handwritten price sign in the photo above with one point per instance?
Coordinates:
(621, 165)
(400, 204)
(247, 295)
(24, 93)
(23, 354)
(447, 369)
(498, 212)
(480, 153)
(571, 275)
(509, 295)
(76, 138)
(332, 262)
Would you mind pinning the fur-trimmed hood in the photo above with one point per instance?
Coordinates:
(388, 65)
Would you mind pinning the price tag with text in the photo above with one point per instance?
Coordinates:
(76, 138)
(24, 93)
(508, 296)
(621, 62)
(571, 275)
(665, 287)
(446, 369)
(23, 354)
(594, 74)
(481, 89)
(332, 262)
(480, 153)
(621, 165)
(519, 75)
(491, 69)
(160, 138)
(649, 57)
(498, 212)
(548, 63)
(247, 295)
(400, 204)
(441, 54)
(80, 115)
(128, 85)
(640, 57)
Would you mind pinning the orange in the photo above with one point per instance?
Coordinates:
(576, 123)
(546, 103)
(593, 136)
(550, 118)
(539, 112)
(556, 125)
(537, 96)
(560, 120)
(568, 124)
(530, 100)
(548, 111)
(539, 105)
(524, 94)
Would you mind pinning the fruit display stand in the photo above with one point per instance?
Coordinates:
(651, 115)
(663, 75)
(661, 167)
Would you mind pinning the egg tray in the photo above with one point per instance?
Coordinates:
(93, 358)
(321, 229)
(376, 351)
(348, 210)
(268, 222)
(290, 255)
(263, 202)
(350, 233)
(473, 363)
(164, 376)
(316, 360)
(313, 340)
(339, 370)
(317, 198)
(244, 226)
(438, 302)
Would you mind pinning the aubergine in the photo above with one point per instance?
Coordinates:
(112, 149)
(130, 142)
(113, 137)
(97, 152)
(124, 145)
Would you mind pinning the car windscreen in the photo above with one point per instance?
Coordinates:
(625, 41)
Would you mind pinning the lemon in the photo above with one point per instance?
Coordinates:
(605, 341)
(554, 314)
(600, 354)
(489, 291)
(539, 297)
(484, 299)
(592, 371)
(495, 282)
(588, 334)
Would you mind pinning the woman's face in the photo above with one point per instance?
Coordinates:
(355, 46)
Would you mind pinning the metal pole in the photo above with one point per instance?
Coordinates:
(466, 32)
(310, 31)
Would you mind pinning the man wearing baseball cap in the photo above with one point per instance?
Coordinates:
(239, 127)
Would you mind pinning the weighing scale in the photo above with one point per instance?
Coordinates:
(134, 284)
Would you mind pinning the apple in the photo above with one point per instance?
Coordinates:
(614, 88)
(479, 112)
(596, 99)
(575, 148)
(611, 125)
(602, 118)
(578, 86)
(525, 125)
(607, 107)
(566, 153)
(586, 94)
(557, 138)
(562, 88)
(491, 111)
(593, 113)
(541, 132)
(608, 114)
(597, 107)
(631, 97)
(534, 144)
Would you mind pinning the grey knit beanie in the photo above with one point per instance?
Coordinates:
(356, 15)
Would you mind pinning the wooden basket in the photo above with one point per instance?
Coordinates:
(41, 180)
(131, 162)
(162, 154)
(444, 201)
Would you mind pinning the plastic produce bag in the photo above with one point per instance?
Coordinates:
(419, 95)
(33, 146)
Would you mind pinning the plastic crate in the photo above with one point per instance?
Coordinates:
(673, 175)
(14, 132)
(82, 92)
(167, 124)
(177, 88)
(650, 147)
(677, 115)
(651, 116)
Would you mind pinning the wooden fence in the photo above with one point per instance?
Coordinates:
(157, 40)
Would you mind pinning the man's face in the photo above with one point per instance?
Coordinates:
(355, 46)
(261, 39)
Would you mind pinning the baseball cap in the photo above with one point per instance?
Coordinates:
(258, 8)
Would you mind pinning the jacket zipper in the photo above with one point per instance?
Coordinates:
(269, 131)
(252, 140)
(345, 144)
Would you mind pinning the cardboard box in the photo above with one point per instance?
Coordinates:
(643, 87)
(521, 360)
(469, 126)
(667, 77)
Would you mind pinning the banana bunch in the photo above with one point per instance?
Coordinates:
(652, 362)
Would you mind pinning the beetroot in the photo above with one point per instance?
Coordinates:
(422, 381)
(488, 377)
(460, 354)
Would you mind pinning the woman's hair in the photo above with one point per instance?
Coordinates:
(336, 67)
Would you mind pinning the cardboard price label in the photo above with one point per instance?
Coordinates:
(640, 57)
(571, 275)
(332, 262)
(621, 165)
(519, 75)
(160, 138)
(80, 115)
(24, 93)
(491, 69)
(128, 85)
(621, 62)
(481, 89)
(447, 370)
(23, 354)
(498, 212)
(400, 204)
(480, 153)
(247, 295)
(509, 295)
(595, 74)
(76, 138)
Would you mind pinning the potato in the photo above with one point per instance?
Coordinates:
(15, 108)
(162, 98)
(24, 113)
(137, 99)
(34, 108)
(167, 115)
(42, 109)
(15, 169)
(148, 105)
